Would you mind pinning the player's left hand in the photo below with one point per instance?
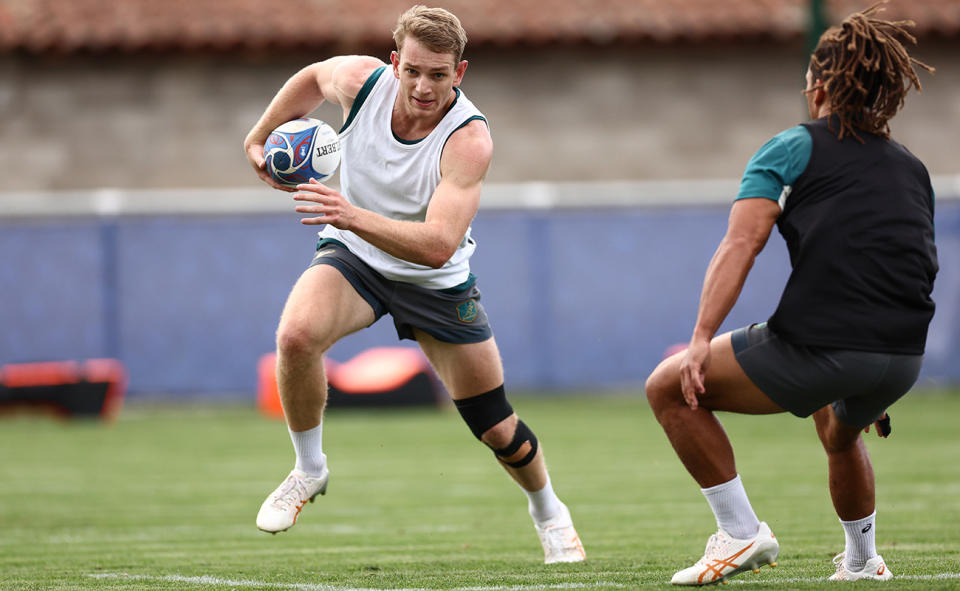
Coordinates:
(330, 207)
(693, 368)
(254, 152)
(882, 425)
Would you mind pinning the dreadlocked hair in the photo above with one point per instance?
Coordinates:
(866, 71)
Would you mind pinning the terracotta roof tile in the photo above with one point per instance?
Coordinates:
(184, 25)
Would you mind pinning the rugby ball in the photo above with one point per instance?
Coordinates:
(300, 150)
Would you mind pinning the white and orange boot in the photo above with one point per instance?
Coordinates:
(726, 557)
(560, 540)
(279, 512)
(875, 569)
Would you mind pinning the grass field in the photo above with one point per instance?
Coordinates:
(166, 499)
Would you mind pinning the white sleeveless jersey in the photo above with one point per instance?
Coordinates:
(396, 178)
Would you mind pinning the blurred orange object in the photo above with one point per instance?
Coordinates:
(268, 396)
(95, 387)
(268, 393)
(381, 376)
(379, 370)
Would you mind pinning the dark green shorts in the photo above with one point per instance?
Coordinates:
(803, 379)
(451, 315)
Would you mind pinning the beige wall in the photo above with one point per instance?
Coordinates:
(605, 114)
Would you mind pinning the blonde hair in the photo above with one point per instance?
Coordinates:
(866, 71)
(438, 29)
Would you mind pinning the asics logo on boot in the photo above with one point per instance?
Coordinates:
(719, 564)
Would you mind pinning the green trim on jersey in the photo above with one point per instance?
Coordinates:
(362, 96)
(471, 279)
(777, 164)
(325, 241)
(412, 142)
(407, 142)
(455, 99)
(462, 125)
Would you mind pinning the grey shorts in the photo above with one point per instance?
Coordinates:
(451, 315)
(802, 379)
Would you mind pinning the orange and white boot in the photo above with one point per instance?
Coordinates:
(875, 569)
(560, 540)
(726, 557)
(279, 512)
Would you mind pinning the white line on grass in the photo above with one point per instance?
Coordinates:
(208, 580)
(937, 577)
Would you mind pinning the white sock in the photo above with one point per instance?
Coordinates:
(861, 541)
(732, 509)
(544, 503)
(309, 448)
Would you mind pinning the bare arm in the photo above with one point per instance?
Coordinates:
(748, 229)
(463, 165)
(337, 80)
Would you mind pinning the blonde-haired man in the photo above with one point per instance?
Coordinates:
(396, 240)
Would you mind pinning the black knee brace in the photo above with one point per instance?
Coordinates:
(486, 410)
(522, 435)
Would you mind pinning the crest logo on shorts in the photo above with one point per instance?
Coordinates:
(467, 311)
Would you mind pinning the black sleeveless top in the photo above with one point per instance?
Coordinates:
(859, 229)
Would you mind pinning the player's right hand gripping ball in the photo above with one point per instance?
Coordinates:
(300, 150)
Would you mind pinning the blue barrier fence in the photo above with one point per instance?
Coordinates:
(579, 299)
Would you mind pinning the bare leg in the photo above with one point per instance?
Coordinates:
(322, 308)
(703, 447)
(852, 486)
(852, 490)
(472, 369)
(696, 434)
